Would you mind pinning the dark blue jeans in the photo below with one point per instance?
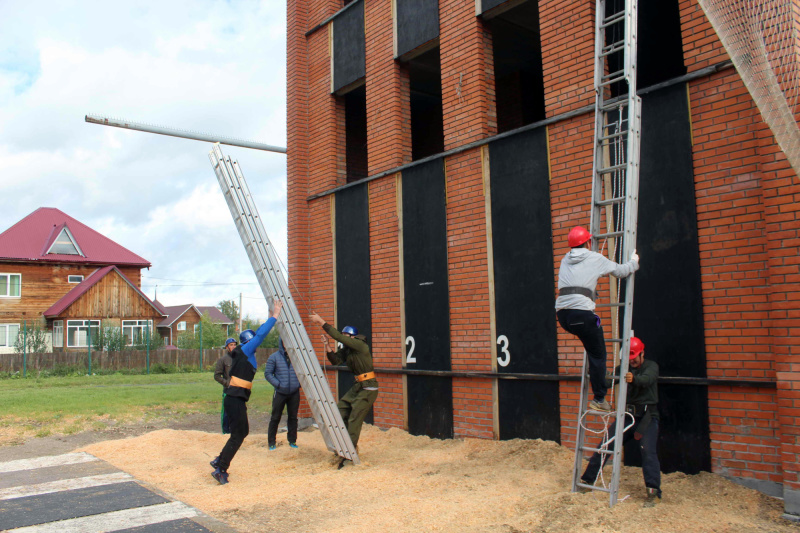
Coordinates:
(586, 326)
(651, 468)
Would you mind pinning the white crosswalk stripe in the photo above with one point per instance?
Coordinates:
(44, 462)
(64, 484)
(116, 520)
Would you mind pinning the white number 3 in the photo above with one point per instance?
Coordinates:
(503, 341)
(410, 359)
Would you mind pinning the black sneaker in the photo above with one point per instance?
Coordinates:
(215, 463)
(220, 475)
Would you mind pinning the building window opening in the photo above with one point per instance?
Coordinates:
(425, 95)
(355, 124)
(518, 75)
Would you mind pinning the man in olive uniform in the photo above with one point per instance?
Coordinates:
(354, 405)
(642, 404)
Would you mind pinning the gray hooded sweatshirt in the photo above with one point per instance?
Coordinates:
(582, 267)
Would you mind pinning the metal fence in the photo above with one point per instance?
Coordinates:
(127, 359)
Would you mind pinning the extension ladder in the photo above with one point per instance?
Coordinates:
(615, 191)
(290, 326)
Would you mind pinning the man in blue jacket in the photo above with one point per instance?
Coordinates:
(280, 373)
(238, 382)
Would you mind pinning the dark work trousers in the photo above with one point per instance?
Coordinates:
(354, 408)
(586, 326)
(236, 409)
(651, 468)
(292, 404)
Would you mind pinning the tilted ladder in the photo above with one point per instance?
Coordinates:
(615, 192)
(290, 326)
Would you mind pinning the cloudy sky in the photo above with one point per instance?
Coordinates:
(204, 65)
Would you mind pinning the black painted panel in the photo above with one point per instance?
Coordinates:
(523, 253)
(417, 23)
(528, 410)
(353, 302)
(184, 525)
(427, 308)
(668, 312)
(44, 508)
(683, 434)
(430, 406)
(486, 5)
(349, 47)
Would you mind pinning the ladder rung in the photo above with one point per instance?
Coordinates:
(612, 136)
(592, 487)
(597, 450)
(613, 19)
(614, 340)
(614, 74)
(610, 201)
(614, 106)
(612, 81)
(613, 49)
(617, 304)
(612, 168)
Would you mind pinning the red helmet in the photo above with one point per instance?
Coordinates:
(577, 236)
(637, 347)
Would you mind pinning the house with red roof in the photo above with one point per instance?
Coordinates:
(187, 317)
(57, 272)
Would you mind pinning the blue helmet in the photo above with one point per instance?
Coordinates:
(246, 335)
(350, 330)
(228, 341)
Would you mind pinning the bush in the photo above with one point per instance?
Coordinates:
(35, 339)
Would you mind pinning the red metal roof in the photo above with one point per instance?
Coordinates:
(30, 238)
(177, 311)
(80, 289)
(216, 316)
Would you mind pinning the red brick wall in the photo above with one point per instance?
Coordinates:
(747, 206)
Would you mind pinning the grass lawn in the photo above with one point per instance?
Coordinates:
(67, 405)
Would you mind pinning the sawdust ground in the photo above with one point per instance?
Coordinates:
(408, 483)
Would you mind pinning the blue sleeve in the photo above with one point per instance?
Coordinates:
(249, 349)
(269, 373)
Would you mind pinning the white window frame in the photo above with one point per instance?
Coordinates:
(181, 326)
(8, 276)
(196, 328)
(70, 280)
(72, 241)
(58, 333)
(7, 341)
(135, 326)
(82, 325)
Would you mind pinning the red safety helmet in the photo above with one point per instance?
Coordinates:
(637, 347)
(577, 236)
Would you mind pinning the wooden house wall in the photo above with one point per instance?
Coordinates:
(111, 297)
(43, 284)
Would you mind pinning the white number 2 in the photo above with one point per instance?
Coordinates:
(410, 359)
(503, 341)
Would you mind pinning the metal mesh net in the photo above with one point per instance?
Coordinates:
(761, 37)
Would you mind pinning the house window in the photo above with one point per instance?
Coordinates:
(196, 328)
(65, 244)
(135, 331)
(78, 332)
(74, 279)
(182, 326)
(10, 285)
(58, 333)
(8, 334)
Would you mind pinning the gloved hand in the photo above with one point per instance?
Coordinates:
(635, 256)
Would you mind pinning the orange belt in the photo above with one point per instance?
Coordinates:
(238, 382)
(365, 377)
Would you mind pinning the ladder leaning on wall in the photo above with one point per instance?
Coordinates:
(615, 191)
(290, 326)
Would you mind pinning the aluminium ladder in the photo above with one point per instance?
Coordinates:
(290, 326)
(615, 192)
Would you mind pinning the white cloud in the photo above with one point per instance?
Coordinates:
(196, 64)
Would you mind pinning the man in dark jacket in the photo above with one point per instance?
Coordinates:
(280, 373)
(354, 405)
(238, 382)
(642, 404)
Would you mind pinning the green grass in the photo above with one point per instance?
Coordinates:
(48, 401)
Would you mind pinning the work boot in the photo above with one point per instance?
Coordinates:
(600, 405)
(220, 475)
(215, 463)
(653, 497)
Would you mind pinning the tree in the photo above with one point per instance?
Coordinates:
(214, 335)
(230, 309)
(34, 338)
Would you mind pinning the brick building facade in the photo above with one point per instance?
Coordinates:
(474, 122)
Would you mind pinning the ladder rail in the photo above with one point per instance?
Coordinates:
(272, 282)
